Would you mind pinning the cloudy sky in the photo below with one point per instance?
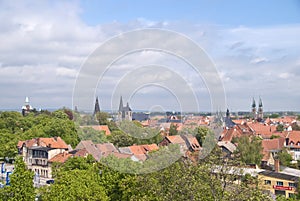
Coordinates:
(254, 45)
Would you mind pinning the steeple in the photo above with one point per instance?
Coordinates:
(121, 105)
(254, 114)
(253, 104)
(97, 107)
(260, 103)
(227, 113)
(260, 115)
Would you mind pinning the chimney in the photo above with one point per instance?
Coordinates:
(277, 165)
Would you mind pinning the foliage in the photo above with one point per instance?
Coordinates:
(173, 129)
(102, 118)
(274, 116)
(295, 127)
(15, 127)
(21, 184)
(129, 133)
(280, 128)
(285, 158)
(200, 133)
(88, 133)
(76, 185)
(249, 150)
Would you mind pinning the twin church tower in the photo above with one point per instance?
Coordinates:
(124, 112)
(257, 114)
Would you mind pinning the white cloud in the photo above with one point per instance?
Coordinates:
(43, 45)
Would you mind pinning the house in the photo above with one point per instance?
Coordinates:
(270, 149)
(38, 153)
(227, 147)
(187, 143)
(140, 152)
(90, 148)
(293, 143)
(278, 183)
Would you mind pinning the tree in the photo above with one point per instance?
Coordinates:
(21, 184)
(120, 139)
(285, 158)
(249, 150)
(173, 129)
(88, 133)
(280, 128)
(200, 133)
(102, 118)
(75, 185)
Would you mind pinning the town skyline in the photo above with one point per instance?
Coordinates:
(255, 55)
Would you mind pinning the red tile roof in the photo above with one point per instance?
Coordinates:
(265, 130)
(175, 139)
(61, 158)
(270, 145)
(294, 138)
(55, 142)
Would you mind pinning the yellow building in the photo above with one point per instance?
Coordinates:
(278, 183)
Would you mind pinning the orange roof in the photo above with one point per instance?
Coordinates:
(175, 139)
(81, 153)
(55, 142)
(270, 145)
(20, 144)
(228, 134)
(137, 150)
(61, 158)
(239, 121)
(294, 138)
(264, 130)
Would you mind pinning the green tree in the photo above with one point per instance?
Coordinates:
(102, 118)
(200, 133)
(280, 128)
(75, 185)
(120, 139)
(249, 150)
(173, 129)
(284, 157)
(21, 184)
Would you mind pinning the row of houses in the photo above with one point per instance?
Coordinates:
(40, 153)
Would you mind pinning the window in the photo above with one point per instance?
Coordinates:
(267, 182)
(279, 183)
(292, 185)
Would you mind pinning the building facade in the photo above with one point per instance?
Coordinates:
(38, 152)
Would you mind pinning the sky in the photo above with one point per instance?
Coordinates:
(254, 46)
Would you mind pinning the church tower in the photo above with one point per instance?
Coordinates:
(97, 107)
(254, 114)
(260, 115)
(125, 112)
(26, 108)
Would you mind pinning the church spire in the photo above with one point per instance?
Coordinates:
(253, 104)
(97, 107)
(260, 103)
(121, 104)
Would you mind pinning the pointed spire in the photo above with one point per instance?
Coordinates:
(253, 103)
(26, 100)
(121, 105)
(227, 113)
(260, 102)
(97, 107)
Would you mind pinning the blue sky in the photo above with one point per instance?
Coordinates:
(231, 12)
(254, 45)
